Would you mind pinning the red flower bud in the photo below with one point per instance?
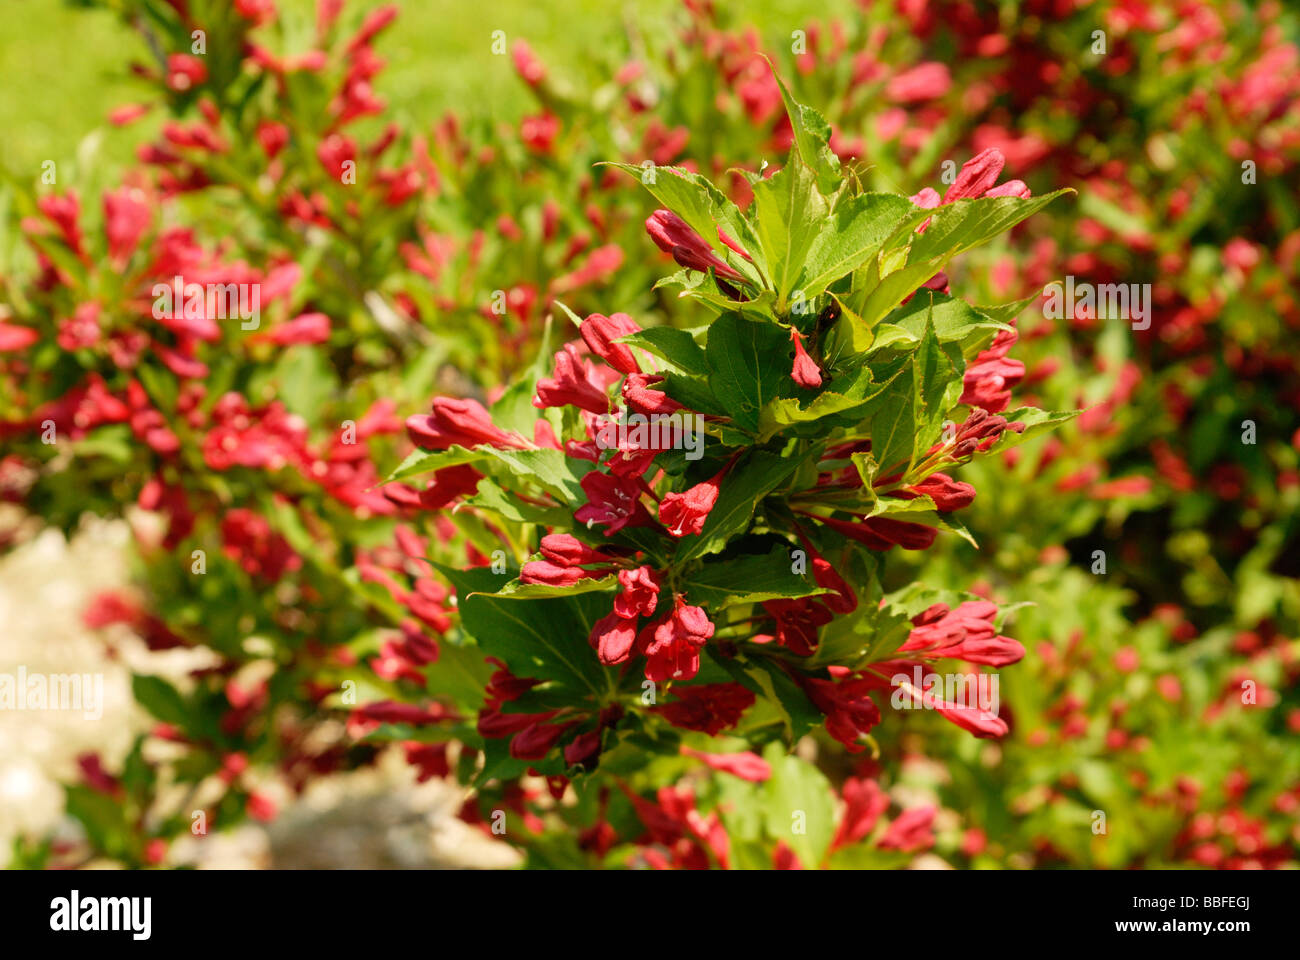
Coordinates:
(745, 765)
(457, 422)
(599, 332)
(584, 748)
(567, 550)
(448, 484)
(673, 235)
(976, 176)
(613, 638)
(543, 571)
(640, 593)
(645, 401)
(948, 494)
(806, 373)
(536, 741)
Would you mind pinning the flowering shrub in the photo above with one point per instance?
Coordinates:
(731, 583)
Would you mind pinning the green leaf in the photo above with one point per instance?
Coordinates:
(573, 317)
(113, 442)
(304, 379)
(103, 817)
(892, 424)
(799, 808)
(1006, 312)
(749, 579)
(514, 410)
(701, 288)
(933, 376)
(426, 461)
(161, 699)
(954, 228)
(783, 412)
(955, 321)
(798, 713)
(750, 364)
(514, 590)
(460, 673)
(677, 347)
(694, 394)
(547, 467)
(812, 136)
(1036, 423)
(491, 497)
(790, 214)
(868, 634)
(856, 232)
(544, 639)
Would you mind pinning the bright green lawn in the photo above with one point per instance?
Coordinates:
(63, 68)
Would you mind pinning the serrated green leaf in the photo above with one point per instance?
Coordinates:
(856, 231)
(811, 140)
(675, 346)
(750, 365)
(749, 579)
(790, 213)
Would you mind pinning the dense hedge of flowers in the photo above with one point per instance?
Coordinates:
(637, 537)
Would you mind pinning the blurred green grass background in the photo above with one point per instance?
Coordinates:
(64, 68)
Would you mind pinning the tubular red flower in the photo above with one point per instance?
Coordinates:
(843, 600)
(805, 372)
(797, 623)
(976, 176)
(639, 594)
(673, 235)
(535, 742)
(126, 217)
(911, 830)
(305, 328)
(568, 550)
(14, 337)
(448, 484)
(709, 708)
(948, 494)
(552, 574)
(672, 646)
(641, 398)
(744, 764)
(850, 711)
(864, 803)
(583, 748)
(599, 332)
(575, 383)
(531, 70)
(457, 422)
(613, 637)
(685, 513)
(493, 724)
(881, 533)
(927, 81)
